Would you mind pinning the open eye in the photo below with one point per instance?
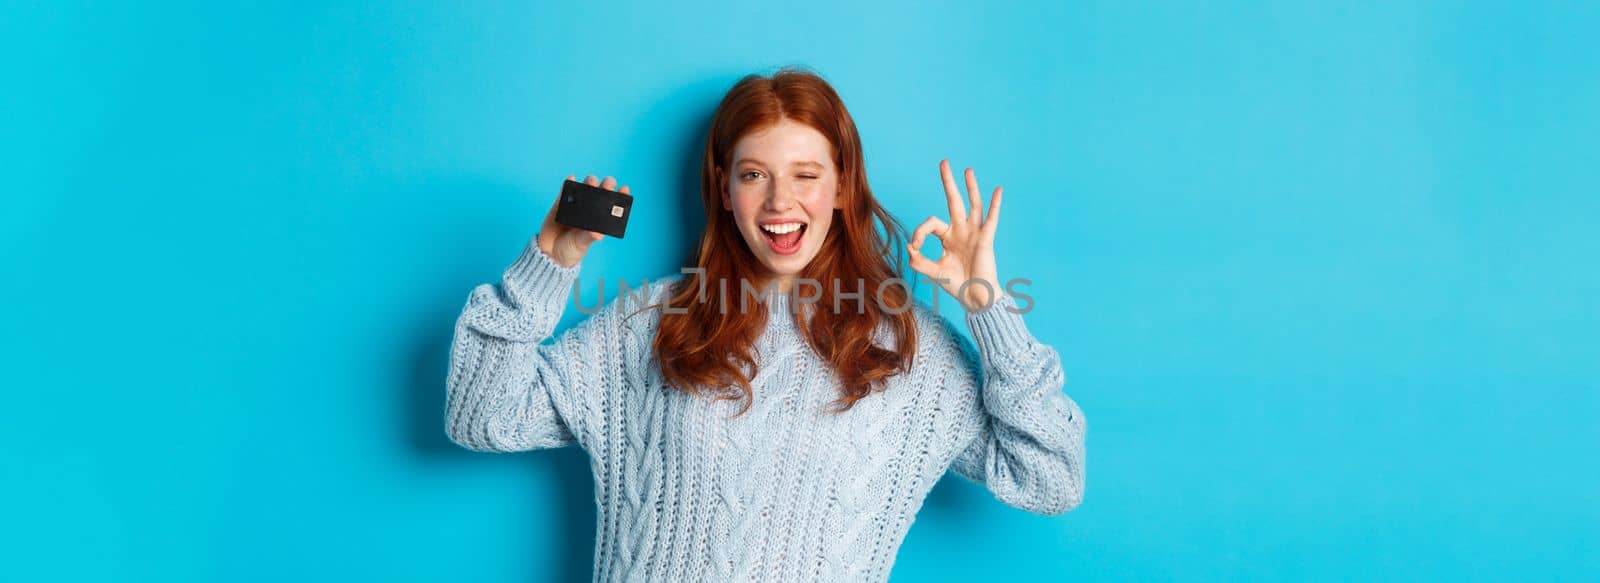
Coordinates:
(750, 175)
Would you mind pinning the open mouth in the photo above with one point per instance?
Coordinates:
(784, 238)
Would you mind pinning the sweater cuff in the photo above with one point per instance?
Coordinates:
(998, 332)
(535, 278)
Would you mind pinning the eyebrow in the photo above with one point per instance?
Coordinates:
(800, 163)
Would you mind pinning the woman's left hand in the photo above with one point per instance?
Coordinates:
(968, 241)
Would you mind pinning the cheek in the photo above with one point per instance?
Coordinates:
(822, 211)
(742, 200)
(745, 208)
(819, 206)
(817, 197)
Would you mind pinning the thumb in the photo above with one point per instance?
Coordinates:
(582, 239)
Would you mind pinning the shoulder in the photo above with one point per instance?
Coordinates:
(939, 324)
(633, 295)
(942, 346)
(633, 306)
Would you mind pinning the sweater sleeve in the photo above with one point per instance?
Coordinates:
(1029, 451)
(507, 390)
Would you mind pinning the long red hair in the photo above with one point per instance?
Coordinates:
(709, 350)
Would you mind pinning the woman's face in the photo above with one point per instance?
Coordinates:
(782, 188)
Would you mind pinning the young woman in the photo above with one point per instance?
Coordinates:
(790, 440)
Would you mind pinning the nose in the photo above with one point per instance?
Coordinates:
(779, 196)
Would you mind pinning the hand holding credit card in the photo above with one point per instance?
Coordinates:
(584, 213)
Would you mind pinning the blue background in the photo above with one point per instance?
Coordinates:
(1322, 276)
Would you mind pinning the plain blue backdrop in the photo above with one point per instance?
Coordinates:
(1322, 276)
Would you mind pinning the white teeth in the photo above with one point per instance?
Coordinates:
(781, 228)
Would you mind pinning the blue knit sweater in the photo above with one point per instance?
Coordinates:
(787, 491)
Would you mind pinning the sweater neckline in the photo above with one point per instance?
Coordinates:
(780, 314)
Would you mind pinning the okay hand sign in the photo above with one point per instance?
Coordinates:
(968, 241)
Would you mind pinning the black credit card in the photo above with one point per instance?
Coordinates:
(594, 209)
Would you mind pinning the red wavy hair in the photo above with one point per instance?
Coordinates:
(709, 349)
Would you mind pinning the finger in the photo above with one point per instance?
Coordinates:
(582, 240)
(992, 221)
(609, 183)
(591, 180)
(623, 190)
(972, 196)
(572, 178)
(952, 196)
(933, 226)
(551, 216)
(921, 264)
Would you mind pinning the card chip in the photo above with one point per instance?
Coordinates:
(616, 210)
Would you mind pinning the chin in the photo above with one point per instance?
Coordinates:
(785, 266)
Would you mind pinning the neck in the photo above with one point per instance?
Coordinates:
(779, 284)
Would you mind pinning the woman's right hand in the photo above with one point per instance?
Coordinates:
(567, 245)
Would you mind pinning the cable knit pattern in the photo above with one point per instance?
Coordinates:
(788, 491)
